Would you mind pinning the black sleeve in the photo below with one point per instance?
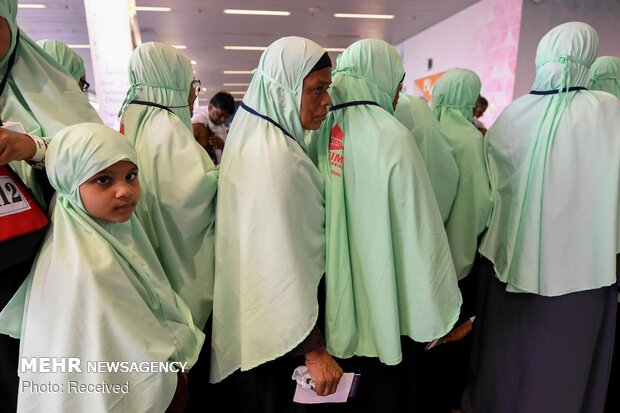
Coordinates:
(314, 341)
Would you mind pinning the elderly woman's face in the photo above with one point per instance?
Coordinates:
(315, 99)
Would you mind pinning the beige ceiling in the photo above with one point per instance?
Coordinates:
(202, 26)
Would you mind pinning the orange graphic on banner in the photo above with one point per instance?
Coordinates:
(426, 84)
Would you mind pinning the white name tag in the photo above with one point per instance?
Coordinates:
(12, 200)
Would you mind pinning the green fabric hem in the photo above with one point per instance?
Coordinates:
(519, 290)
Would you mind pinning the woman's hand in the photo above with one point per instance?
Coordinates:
(324, 370)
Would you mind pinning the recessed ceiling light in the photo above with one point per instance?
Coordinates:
(204, 89)
(31, 6)
(149, 8)
(235, 84)
(79, 46)
(193, 62)
(258, 12)
(258, 48)
(364, 16)
(179, 46)
(238, 92)
(334, 49)
(237, 72)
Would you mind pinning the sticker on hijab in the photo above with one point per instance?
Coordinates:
(336, 146)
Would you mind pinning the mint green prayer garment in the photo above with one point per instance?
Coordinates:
(39, 93)
(389, 271)
(63, 54)
(605, 75)
(270, 238)
(179, 180)
(454, 97)
(434, 147)
(554, 165)
(97, 293)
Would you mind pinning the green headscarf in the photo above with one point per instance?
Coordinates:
(454, 97)
(276, 93)
(389, 271)
(161, 74)
(179, 180)
(39, 93)
(270, 240)
(103, 282)
(434, 147)
(605, 75)
(63, 54)
(554, 163)
(368, 68)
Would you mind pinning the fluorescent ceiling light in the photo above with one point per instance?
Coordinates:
(31, 6)
(364, 16)
(179, 46)
(237, 72)
(79, 46)
(194, 62)
(148, 8)
(238, 92)
(260, 48)
(334, 49)
(258, 12)
(235, 84)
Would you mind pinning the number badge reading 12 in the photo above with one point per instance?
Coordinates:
(12, 200)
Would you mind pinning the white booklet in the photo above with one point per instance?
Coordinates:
(14, 126)
(309, 396)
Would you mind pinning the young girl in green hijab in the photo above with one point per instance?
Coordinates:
(96, 291)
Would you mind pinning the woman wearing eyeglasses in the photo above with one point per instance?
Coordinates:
(68, 59)
(179, 180)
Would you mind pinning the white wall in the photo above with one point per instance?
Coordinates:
(484, 38)
(539, 18)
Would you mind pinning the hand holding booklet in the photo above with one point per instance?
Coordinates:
(305, 394)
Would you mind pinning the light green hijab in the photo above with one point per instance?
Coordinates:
(161, 74)
(39, 93)
(554, 163)
(179, 180)
(103, 282)
(270, 240)
(389, 271)
(64, 55)
(605, 75)
(369, 68)
(454, 97)
(276, 93)
(434, 147)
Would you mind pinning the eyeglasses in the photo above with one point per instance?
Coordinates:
(84, 85)
(196, 85)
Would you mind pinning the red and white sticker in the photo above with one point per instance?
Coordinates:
(336, 148)
(12, 200)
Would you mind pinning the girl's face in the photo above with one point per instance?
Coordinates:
(112, 194)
